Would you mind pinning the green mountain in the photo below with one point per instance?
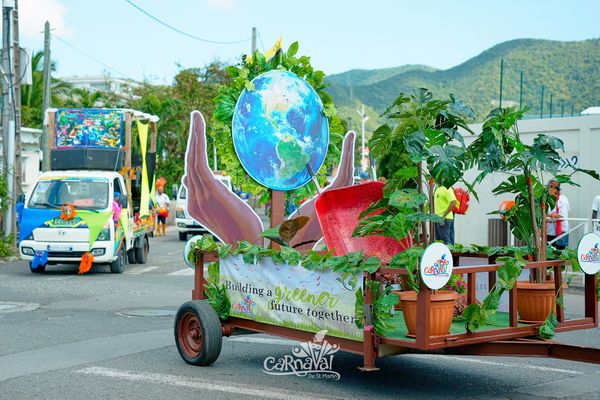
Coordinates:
(569, 72)
(359, 77)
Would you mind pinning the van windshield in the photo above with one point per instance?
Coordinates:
(83, 193)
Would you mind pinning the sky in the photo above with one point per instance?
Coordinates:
(96, 37)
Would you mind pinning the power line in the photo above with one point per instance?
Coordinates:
(92, 57)
(261, 42)
(182, 32)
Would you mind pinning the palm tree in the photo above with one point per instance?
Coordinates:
(32, 96)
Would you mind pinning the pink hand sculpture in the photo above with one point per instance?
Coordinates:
(209, 202)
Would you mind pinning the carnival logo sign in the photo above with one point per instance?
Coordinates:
(439, 268)
(592, 256)
(588, 253)
(245, 307)
(312, 359)
(436, 265)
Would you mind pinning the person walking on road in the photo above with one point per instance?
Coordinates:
(444, 201)
(163, 203)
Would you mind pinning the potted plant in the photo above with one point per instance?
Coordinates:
(428, 129)
(500, 148)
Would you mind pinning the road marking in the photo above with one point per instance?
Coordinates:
(137, 271)
(500, 364)
(559, 389)
(212, 385)
(84, 352)
(262, 340)
(171, 253)
(183, 272)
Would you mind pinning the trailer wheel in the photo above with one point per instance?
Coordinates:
(198, 333)
(37, 270)
(117, 266)
(141, 253)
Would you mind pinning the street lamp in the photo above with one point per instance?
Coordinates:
(362, 153)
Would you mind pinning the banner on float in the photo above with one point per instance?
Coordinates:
(292, 296)
(88, 127)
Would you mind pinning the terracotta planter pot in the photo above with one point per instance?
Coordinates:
(535, 300)
(440, 311)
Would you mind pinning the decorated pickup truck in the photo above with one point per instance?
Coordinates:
(94, 207)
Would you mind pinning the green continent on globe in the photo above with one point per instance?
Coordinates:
(292, 156)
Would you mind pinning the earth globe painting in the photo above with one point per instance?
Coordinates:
(279, 128)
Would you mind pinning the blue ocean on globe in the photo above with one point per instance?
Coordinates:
(278, 128)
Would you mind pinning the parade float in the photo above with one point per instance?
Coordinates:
(93, 206)
(378, 238)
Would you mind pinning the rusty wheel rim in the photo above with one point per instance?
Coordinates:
(190, 334)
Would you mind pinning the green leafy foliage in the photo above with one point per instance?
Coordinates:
(546, 330)
(359, 311)
(476, 315)
(217, 294)
(384, 300)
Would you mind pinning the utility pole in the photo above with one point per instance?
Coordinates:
(562, 108)
(253, 40)
(501, 79)
(47, 101)
(551, 105)
(17, 99)
(8, 122)
(542, 104)
(364, 119)
(521, 92)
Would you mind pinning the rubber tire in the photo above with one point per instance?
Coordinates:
(117, 266)
(39, 270)
(131, 256)
(141, 253)
(183, 236)
(210, 327)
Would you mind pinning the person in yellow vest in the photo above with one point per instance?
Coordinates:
(444, 201)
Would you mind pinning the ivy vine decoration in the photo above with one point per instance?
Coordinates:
(242, 75)
(349, 267)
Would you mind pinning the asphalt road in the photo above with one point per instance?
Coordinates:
(106, 336)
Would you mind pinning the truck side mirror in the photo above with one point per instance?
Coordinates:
(122, 201)
(21, 198)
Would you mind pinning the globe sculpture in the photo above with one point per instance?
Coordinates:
(279, 128)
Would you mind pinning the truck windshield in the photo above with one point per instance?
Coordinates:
(83, 193)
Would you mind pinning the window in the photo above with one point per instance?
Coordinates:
(83, 193)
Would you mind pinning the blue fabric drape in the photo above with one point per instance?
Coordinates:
(32, 218)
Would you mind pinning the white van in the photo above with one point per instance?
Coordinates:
(184, 223)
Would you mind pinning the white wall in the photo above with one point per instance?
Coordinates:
(581, 136)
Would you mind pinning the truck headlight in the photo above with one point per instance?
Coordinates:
(28, 251)
(98, 252)
(179, 213)
(104, 235)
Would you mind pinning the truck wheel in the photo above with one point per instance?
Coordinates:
(37, 270)
(183, 236)
(131, 256)
(141, 253)
(117, 266)
(198, 333)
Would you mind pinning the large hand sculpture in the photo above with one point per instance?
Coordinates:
(344, 177)
(209, 202)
